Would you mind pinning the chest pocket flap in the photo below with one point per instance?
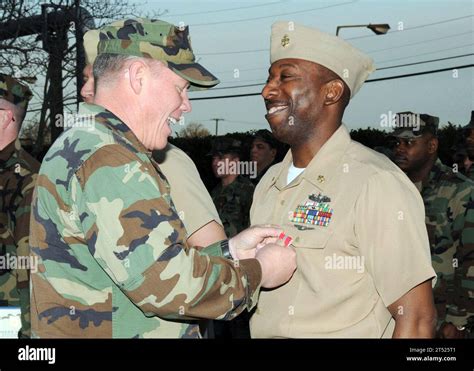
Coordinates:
(316, 238)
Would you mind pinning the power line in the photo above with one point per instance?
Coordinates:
(225, 10)
(378, 69)
(420, 42)
(245, 122)
(369, 51)
(429, 61)
(421, 73)
(417, 55)
(371, 80)
(359, 37)
(273, 15)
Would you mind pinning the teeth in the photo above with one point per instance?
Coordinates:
(172, 120)
(276, 109)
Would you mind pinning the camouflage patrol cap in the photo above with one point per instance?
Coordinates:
(223, 145)
(14, 91)
(156, 39)
(266, 136)
(414, 125)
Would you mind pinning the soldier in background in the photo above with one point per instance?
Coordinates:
(233, 195)
(17, 177)
(232, 198)
(449, 206)
(461, 159)
(468, 132)
(263, 151)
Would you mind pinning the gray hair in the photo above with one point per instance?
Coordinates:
(107, 65)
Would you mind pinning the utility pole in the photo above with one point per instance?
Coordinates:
(52, 25)
(217, 123)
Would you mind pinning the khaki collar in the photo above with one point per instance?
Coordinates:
(322, 168)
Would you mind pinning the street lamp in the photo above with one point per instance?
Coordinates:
(378, 29)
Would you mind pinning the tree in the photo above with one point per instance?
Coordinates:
(26, 56)
(193, 130)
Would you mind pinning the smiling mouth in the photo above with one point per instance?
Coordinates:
(275, 107)
(172, 120)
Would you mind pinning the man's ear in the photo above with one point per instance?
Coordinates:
(433, 145)
(137, 71)
(334, 90)
(6, 118)
(274, 152)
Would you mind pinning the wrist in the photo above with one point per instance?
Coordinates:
(226, 249)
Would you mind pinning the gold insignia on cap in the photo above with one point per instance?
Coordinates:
(285, 40)
(321, 179)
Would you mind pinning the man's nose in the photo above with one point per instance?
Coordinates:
(186, 104)
(269, 90)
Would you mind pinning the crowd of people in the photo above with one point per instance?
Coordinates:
(335, 241)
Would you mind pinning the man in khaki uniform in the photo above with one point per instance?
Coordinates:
(191, 198)
(356, 220)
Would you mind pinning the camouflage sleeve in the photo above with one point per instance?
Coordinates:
(21, 236)
(460, 305)
(137, 238)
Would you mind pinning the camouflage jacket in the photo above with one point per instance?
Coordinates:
(233, 204)
(17, 177)
(113, 261)
(449, 207)
(470, 173)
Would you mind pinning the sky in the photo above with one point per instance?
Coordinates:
(231, 39)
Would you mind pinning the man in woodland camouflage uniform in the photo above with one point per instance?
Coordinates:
(468, 132)
(113, 257)
(449, 205)
(233, 195)
(232, 198)
(17, 177)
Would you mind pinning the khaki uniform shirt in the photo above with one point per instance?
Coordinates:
(191, 198)
(368, 245)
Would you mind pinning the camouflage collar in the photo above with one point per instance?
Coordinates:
(435, 174)
(9, 150)
(109, 119)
